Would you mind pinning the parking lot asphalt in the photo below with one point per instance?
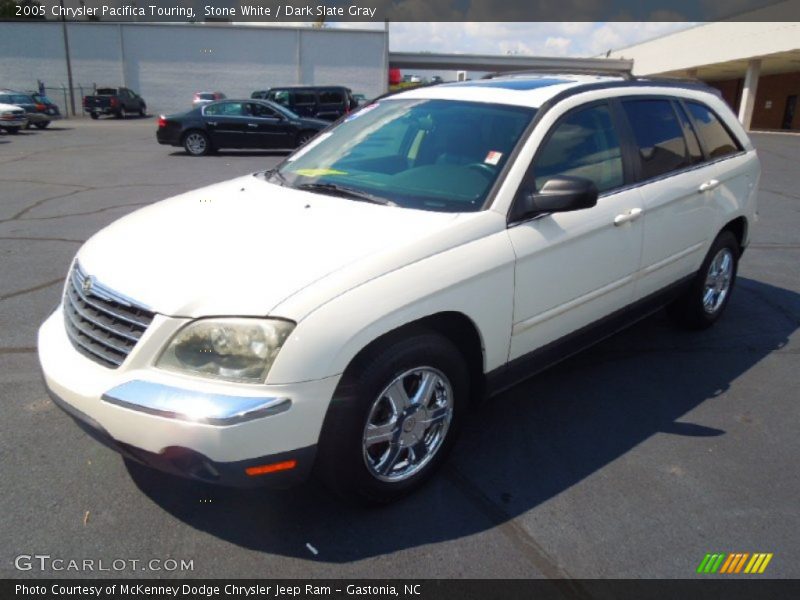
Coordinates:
(632, 459)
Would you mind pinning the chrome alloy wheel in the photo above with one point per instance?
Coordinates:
(718, 281)
(196, 143)
(407, 424)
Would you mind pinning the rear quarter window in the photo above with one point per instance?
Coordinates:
(717, 139)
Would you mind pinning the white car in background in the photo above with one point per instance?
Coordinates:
(12, 118)
(340, 311)
(201, 98)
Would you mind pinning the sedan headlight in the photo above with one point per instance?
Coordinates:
(230, 349)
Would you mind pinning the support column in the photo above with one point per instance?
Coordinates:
(749, 93)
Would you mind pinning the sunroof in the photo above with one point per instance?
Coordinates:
(514, 84)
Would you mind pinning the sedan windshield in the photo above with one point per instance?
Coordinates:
(439, 155)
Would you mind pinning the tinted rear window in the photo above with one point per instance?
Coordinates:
(659, 136)
(304, 97)
(717, 139)
(106, 92)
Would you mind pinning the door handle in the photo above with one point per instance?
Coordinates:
(627, 217)
(212, 123)
(252, 124)
(708, 185)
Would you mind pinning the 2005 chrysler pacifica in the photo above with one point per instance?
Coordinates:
(339, 312)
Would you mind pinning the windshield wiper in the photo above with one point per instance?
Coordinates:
(345, 192)
(276, 174)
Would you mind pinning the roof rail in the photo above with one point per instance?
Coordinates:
(624, 74)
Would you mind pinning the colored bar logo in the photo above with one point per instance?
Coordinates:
(734, 562)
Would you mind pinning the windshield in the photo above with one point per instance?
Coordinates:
(440, 155)
(17, 99)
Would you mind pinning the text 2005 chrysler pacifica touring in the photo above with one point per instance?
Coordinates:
(339, 312)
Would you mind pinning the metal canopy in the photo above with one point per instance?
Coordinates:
(482, 62)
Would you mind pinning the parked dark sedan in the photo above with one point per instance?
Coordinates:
(236, 124)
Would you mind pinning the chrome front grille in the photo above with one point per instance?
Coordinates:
(102, 324)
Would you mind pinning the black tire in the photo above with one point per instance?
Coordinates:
(94, 115)
(119, 113)
(42, 124)
(142, 111)
(342, 452)
(12, 130)
(690, 310)
(305, 136)
(196, 143)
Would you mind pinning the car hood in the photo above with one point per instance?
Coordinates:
(243, 246)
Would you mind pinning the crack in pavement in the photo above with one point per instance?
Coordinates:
(517, 535)
(22, 350)
(83, 214)
(19, 214)
(35, 288)
(42, 239)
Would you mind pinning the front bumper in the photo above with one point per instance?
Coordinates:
(206, 430)
(13, 123)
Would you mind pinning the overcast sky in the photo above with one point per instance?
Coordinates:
(541, 39)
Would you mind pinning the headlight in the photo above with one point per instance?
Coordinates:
(231, 349)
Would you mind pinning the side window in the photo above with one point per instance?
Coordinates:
(225, 109)
(717, 139)
(262, 111)
(305, 98)
(584, 144)
(659, 136)
(331, 97)
(279, 96)
(692, 143)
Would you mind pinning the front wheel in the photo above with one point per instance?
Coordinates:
(394, 419)
(709, 292)
(12, 130)
(304, 136)
(42, 124)
(94, 115)
(142, 111)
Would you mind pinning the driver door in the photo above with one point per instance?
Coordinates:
(574, 268)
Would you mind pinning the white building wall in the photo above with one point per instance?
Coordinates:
(166, 64)
(709, 44)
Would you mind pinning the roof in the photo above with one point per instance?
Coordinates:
(535, 89)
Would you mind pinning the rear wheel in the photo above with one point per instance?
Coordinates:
(196, 143)
(142, 111)
(94, 115)
(394, 419)
(42, 124)
(708, 294)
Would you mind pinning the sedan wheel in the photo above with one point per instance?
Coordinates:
(407, 423)
(304, 136)
(196, 143)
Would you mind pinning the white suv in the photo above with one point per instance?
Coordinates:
(340, 311)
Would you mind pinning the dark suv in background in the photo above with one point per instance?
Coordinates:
(327, 102)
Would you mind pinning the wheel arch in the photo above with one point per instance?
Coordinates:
(739, 227)
(454, 326)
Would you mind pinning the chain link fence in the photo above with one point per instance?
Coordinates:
(61, 95)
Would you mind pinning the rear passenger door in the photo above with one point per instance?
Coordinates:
(574, 268)
(678, 215)
(226, 123)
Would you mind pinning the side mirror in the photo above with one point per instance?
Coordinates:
(558, 194)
